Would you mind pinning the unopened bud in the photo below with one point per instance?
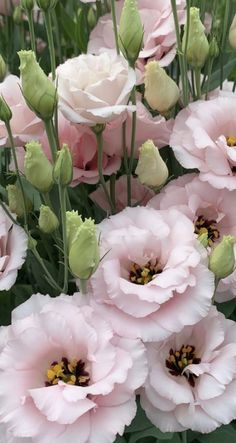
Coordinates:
(3, 69)
(73, 223)
(16, 201)
(232, 34)
(27, 5)
(222, 259)
(39, 92)
(46, 4)
(48, 221)
(161, 92)
(37, 167)
(5, 111)
(63, 168)
(197, 44)
(213, 48)
(130, 31)
(32, 243)
(84, 251)
(151, 169)
(17, 15)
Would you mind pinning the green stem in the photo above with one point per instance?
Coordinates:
(209, 71)
(4, 207)
(113, 190)
(62, 197)
(184, 436)
(57, 35)
(83, 286)
(197, 73)
(48, 25)
(8, 128)
(99, 8)
(223, 40)
(100, 169)
(31, 30)
(51, 137)
(132, 148)
(113, 13)
(49, 277)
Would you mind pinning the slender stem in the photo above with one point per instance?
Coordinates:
(49, 277)
(51, 137)
(113, 190)
(83, 286)
(31, 30)
(57, 35)
(8, 127)
(132, 148)
(4, 207)
(99, 8)
(184, 436)
(113, 13)
(209, 71)
(223, 40)
(48, 25)
(197, 73)
(100, 169)
(62, 196)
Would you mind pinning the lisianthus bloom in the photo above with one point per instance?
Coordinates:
(140, 194)
(94, 89)
(204, 137)
(152, 280)
(65, 375)
(13, 244)
(159, 31)
(192, 377)
(24, 124)
(212, 211)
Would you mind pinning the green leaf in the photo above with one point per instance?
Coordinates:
(6, 305)
(225, 434)
(22, 293)
(229, 62)
(81, 30)
(140, 421)
(227, 308)
(120, 439)
(151, 432)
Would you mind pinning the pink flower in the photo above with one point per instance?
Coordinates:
(65, 375)
(204, 137)
(159, 31)
(13, 244)
(192, 377)
(211, 210)
(140, 194)
(24, 124)
(152, 280)
(6, 6)
(94, 89)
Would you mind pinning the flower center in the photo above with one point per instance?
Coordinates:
(231, 141)
(202, 225)
(71, 372)
(141, 275)
(179, 360)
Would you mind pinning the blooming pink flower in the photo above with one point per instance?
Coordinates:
(192, 377)
(94, 89)
(140, 194)
(152, 280)
(210, 209)
(24, 124)
(65, 375)
(159, 31)
(204, 137)
(13, 244)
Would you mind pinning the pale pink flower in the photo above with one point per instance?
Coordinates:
(6, 6)
(65, 375)
(24, 124)
(211, 210)
(152, 279)
(94, 89)
(204, 137)
(199, 393)
(159, 31)
(140, 194)
(13, 244)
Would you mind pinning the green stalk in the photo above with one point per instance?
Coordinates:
(113, 13)
(57, 35)
(223, 40)
(209, 71)
(83, 286)
(132, 148)
(113, 190)
(62, 197)
(51, 137)
(184, 436)
(197, 74)
(100, 169)
(31, 30)
(49, 277)
(48, 25)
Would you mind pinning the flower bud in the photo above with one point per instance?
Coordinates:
(48, 221)
(73, 223)
(161, 92)
(197, 44)
(222, 259)
(46, 4)
(130, 31)
(232, 34)
(151, 169)
(16, 201)
(5, 111)
(3, 69)
(63, 168)
(17, 15)
(39, 92)
(27, 5)
(84, 251)
(37, 167)
(213, 48)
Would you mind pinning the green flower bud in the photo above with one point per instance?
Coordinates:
(37, 167)
(73, 223)
(17, 15)
(48, 221)
(213, 48)
(161, 92)
(39, 92)
(197, 45)
(16, 201)
(84, 251)
(32, 243)
(232, 34)
(5, 111)
(63, 168)
(46, 4)
(222, 259)
(3, 69)
(130, 31)
(151, 169)
(27, 5)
